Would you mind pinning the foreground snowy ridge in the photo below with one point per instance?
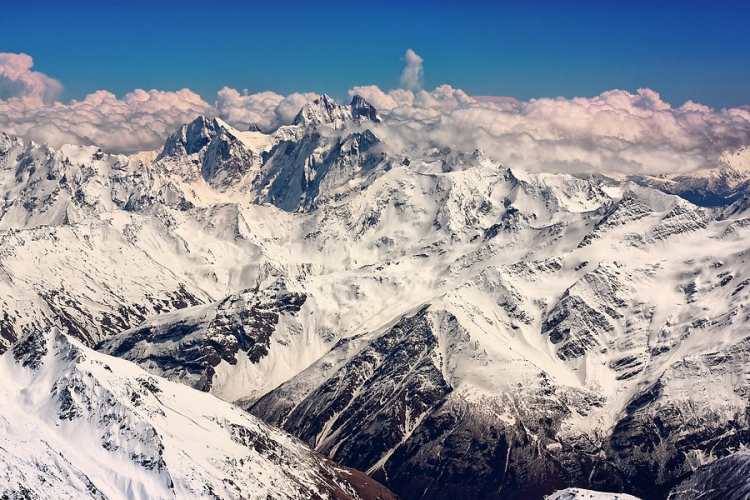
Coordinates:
(78, 424)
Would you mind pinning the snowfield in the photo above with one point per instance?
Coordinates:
(78, 424)
(581, 494)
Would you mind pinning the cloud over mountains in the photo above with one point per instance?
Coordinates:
(18, 81)
(617, 131)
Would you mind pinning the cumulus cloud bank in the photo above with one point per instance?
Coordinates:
(268, 110)
(139, 121)
(617, 131)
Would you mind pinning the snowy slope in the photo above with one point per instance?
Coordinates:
(581, 494)
(78, 424)
(560, 355)
(426, 318)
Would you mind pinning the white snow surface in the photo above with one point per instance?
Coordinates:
(581, 494)
(76, 424)
(395, 243)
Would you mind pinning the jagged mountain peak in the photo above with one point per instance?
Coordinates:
(5, 140)
(326, 111)
(192, 137)
(321, 110)
(361, 108)
(224, 154)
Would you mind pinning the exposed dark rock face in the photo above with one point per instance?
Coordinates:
(363, 110)
(628, 209)
(221, 158)
(191, 138)
(389, 410)
(670, 427)
(378, 397)
(725, 479)
(31, 350)
(434, 443)
(681, 219)
(576, 326)
(193, 348)
(298, 178)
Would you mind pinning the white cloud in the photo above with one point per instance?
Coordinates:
(139, 121)
(18, 81)
(288, 108)
(614, 132)
(413, 75)
(384, 101)
(243, 110)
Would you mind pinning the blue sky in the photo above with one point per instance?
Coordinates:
(683, 50)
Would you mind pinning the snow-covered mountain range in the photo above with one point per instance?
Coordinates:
(449, 325)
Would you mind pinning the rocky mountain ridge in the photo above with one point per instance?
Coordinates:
(78, 424)
(445, 323)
